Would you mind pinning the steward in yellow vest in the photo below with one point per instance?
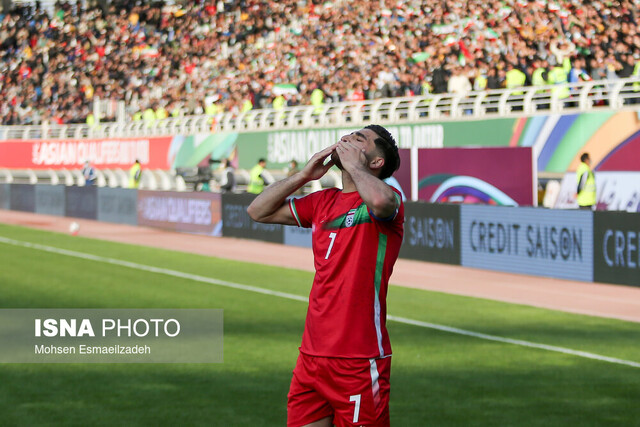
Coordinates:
(515, 78)
(135, 173)
(557, 76)
(256, 183)
(586, 183)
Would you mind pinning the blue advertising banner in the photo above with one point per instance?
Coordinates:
(118, 205)
(23, 197)
(528, 241)
(50, 199)
(81, 202)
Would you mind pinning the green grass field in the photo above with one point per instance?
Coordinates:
(438, 378)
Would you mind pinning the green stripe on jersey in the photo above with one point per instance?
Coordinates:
(359, 215)
(382, 250)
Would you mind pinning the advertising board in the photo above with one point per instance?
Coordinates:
(431, 232)
(237, 223)
(528, 240)
(616, 254)
(188, 212)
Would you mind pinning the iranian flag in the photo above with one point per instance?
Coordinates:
(284, 89)
(491, 34)
(504, 12)
(450, 41)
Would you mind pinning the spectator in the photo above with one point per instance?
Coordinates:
(151, 56)
(227, 179)
(89, 174)
(458, 82)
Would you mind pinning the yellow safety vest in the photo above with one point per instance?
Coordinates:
(161, 113)
(278, 102)
(515, 78)
(558, 76)
(149, 117)
(135, 174)
(317, 100)
(586, 196)
(256, 184)
(211, 110)
(536, 77)
(247, 106)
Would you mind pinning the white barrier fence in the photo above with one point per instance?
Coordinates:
(188, 179)
(113, 178)
(522, 101)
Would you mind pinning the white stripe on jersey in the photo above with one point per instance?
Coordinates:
(376, 320)
(375, 387)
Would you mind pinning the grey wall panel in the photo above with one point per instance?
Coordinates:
(23, 197)
(118, 205)
(81, 202)
(50, 199)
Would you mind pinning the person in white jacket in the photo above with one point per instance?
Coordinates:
(459, 82)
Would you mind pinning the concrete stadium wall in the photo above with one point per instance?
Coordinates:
(600, 246)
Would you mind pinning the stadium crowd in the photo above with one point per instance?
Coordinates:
(208, 57)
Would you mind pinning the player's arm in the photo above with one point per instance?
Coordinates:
(376, 194)
(270, 206)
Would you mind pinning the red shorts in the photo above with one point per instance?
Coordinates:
(355, 392)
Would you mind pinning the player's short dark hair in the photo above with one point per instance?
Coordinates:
(389, 150)
(584, 157)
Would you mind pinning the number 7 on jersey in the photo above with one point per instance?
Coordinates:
(332, 236)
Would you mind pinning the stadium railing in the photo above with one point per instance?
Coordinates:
(521, 101)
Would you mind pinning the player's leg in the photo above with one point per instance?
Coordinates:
(360, 392)
(305, 406)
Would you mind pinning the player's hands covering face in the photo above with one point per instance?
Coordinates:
(351, 154)
(316, 167)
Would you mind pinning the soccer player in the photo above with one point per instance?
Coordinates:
(342, 373)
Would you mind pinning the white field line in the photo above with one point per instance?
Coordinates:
(203, 279)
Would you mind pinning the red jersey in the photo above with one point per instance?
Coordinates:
(354, 253)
